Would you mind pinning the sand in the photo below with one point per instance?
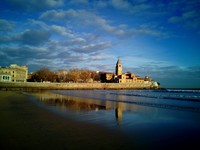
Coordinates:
(24, 125)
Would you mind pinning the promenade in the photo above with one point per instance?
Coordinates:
(71, 86)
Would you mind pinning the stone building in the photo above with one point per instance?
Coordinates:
(118, 68)
(107, 77)
(13, 73)
(120, 77)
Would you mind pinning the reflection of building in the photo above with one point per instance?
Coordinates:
(13, 73)
(118, 112)
(120, 77)
(70, 102)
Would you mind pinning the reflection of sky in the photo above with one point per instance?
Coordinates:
(113, 113)
(164, 99)
(143, 124)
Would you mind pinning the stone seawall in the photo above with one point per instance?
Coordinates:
(71, 86)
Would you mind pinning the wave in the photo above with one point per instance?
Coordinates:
(179, 90)
(166, 106)
(183, 97)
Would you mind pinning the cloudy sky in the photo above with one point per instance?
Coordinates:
(155, 38)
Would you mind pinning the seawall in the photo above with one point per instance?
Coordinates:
(71, 86)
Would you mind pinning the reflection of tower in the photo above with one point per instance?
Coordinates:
(118, 70)
(118, 112)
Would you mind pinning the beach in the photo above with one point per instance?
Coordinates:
(100, 119)
(27, 126)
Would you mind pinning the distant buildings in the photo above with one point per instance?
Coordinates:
(120, 77)
(13, 73)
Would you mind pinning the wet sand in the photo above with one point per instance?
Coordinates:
(24, 125)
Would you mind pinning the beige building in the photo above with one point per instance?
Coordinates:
(13, 73)
(128, 77)
(120, 77)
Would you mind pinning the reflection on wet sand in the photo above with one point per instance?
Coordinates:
(118, 112)
(64, 102)
(72, 103)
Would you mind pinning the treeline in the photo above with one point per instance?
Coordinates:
(74, 75)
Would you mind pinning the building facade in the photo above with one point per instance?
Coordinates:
(107, 77)
(120, 77)
(13, 73)
(127, 77)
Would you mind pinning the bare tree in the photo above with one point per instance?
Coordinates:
(61, 75)
(72, 75)
(95, 76)
(43, 74)
(85, 75)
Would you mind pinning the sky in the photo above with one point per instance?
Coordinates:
(155, 38)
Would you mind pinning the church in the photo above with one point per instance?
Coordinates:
(120, 77)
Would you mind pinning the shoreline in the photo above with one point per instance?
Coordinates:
(27, 126)
(28, 86)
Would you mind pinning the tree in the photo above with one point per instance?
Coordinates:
(95, 76)
(72, 75)
(85, 75)
(43, 74)
(61, 75)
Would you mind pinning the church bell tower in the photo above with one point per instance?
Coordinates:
(118, 69)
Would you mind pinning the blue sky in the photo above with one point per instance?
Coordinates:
(155, 38)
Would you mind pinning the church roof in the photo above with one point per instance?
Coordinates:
(118, 61)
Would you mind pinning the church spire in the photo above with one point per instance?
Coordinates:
(118, 69)
(118, 61)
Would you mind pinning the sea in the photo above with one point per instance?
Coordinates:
(154, 118)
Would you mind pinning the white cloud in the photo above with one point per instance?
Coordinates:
(35, 5)
(53, 15)
(29, 37)
(62, 31)
(188, 17)
(87, 19)
(73, 42)
(6, 25)
(54, 3)
(34, 37)
(91, 48)
(174, 19)
(78, 2)
(56, 29)
(134, 7)
(120, 4)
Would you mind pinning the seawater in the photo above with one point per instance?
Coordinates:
(170, 98)
(146, 115)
